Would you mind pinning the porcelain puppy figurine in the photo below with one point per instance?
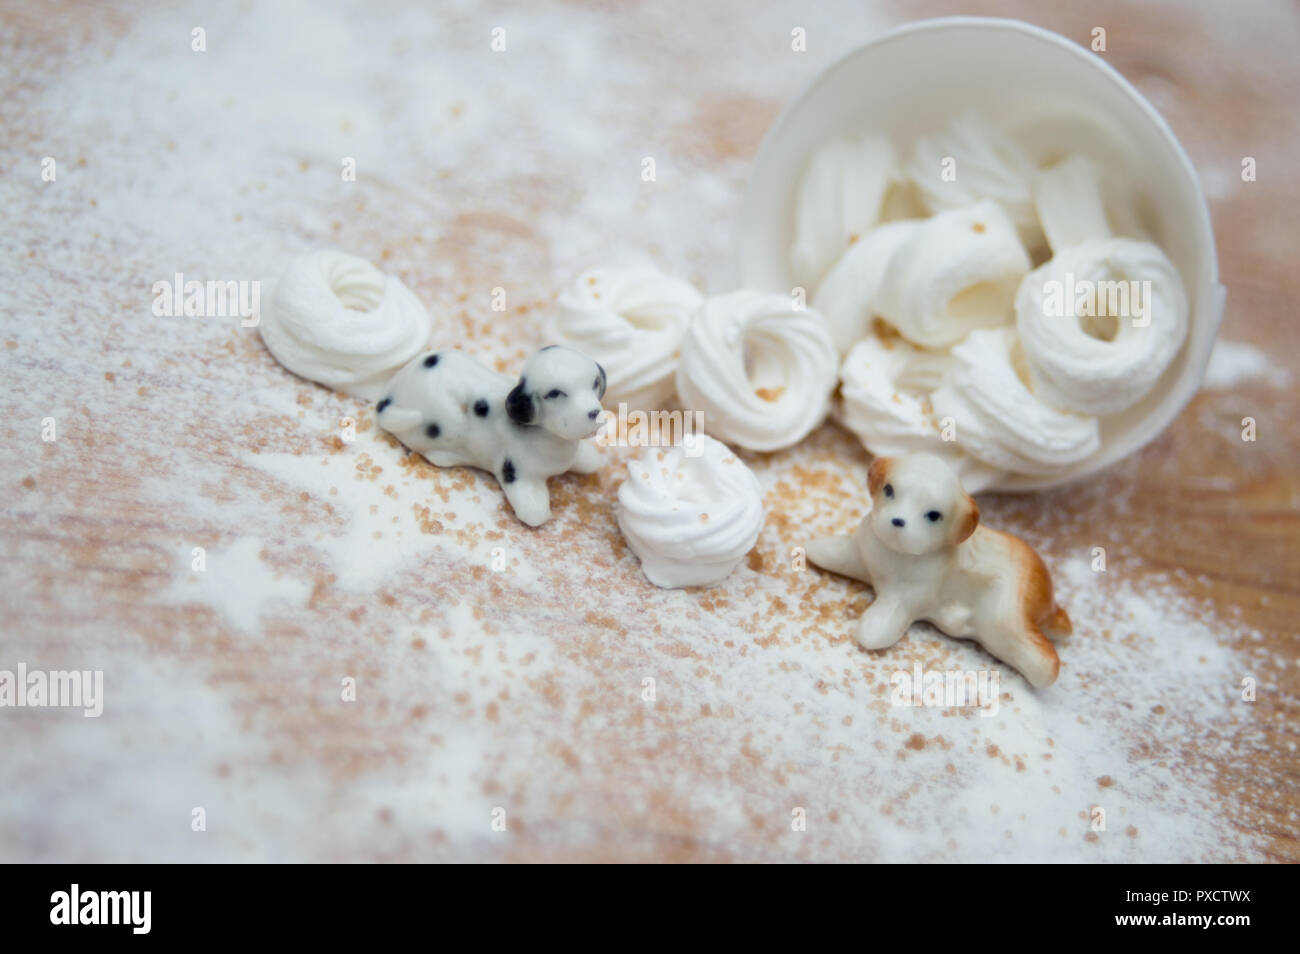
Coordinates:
(923, 551)
(456, 412)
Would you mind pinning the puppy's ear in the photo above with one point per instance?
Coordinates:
(877, 474)
(600, 392)
(519, 404)
(970, 518)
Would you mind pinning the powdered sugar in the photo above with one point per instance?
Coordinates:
(385, 526)
(236, 582)
(1235, 363)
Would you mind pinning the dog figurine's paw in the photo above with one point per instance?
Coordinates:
(921, 547)
(839, 555)
(531, 501)
(587, 460)
(883, 624)
(454, 411)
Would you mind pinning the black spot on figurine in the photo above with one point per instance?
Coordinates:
(383, 404)
(433, 430)
(481, 407)
(430, 361)
(508, 471)
(519, 404)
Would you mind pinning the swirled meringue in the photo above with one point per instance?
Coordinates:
(953, 273)
(690, 514)
(839, 197)
(886, 387)
(760, 370)
(847, 295)
(1069, 201)
(337, 320)
(632, 321)
(1092, 373)
(968, 161)
(999, 420)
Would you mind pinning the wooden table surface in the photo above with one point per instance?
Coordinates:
(223, 692)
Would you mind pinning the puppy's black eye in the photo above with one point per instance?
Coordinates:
(889, 490)
(553, 393)
(595, 385)
(934, 516)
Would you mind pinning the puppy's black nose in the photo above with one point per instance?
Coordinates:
(897, 521)
(594, 414)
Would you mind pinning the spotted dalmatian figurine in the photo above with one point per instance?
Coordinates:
(456, 412)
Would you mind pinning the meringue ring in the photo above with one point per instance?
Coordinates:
(759, 369)
(840, 197)
(886, 387)
(847, 295)
(632, 321)
(999, 420)
(985, 163)
(1071, 202)
(953, 273)
(1100, 323)
(690, 513)
(337, 320)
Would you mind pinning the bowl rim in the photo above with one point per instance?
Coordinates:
(1211, 304)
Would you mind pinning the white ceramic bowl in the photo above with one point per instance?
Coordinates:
(918, 77)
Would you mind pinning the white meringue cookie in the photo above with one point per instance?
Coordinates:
(690, 514)
(839, 197)
(337, 320)
(999, 420)
(986, 164)
(760, 370)
(632, 321)
(1071, 368)
(847, 295)
(886, 387)
(1070, 205)
(1127, 209)
(953, 273)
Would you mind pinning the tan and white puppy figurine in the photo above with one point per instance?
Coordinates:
(923, 551)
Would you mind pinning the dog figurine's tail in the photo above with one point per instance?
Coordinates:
(1056, 623)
